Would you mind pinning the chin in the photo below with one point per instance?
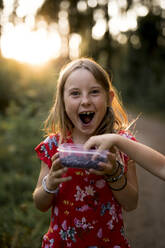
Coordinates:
(88, 133)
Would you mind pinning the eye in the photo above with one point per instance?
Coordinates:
(95, 91)
(75, 93)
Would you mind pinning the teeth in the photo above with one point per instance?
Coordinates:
(87, 113)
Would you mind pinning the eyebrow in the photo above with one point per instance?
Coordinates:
(71, 89)
(93, 87)
(96, 87)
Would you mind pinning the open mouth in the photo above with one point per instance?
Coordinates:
(86, 117)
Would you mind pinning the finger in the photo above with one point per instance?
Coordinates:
(53, 181)
(56, 165)
(58, 173)
(91, 143)
(111, 165)
(108, 156)
(111, 156)
(106, 167)
(63, 179)
(96, 172)
(55, 156)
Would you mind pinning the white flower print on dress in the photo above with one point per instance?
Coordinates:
(87, 172)
(82, 224)
(112, 211)
(55, 227)
(56, 211)
(89, 190)
(51, 242)
(100, 233)
(64, 226)
(67, 233)
(110, 224)
(83, 208)
(86, 179)
(80, 194)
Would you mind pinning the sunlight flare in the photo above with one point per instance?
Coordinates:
(33, 47)
(26, 40)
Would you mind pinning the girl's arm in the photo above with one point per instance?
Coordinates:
(127, 194)
(127, 197)
(42, 199)
(145, 156)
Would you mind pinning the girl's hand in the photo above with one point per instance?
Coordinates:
(55, 174)
(108, 168)
(104, 142)
(101, 142)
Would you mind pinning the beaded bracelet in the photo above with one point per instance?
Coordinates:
(111, 179)
(122, 187)
(55, 191)
(115, 172)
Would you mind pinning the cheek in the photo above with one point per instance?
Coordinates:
(102, 108)
(66, 102)
(70, 106)
(103, 104)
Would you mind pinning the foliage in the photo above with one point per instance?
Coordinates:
(21, 225)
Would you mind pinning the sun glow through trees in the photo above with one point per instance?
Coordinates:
(36, 42)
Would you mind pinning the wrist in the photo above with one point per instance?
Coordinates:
(44, 185)
(117, 174)
(120, 184)
(118, 180)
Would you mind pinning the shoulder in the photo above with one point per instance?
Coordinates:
(47, 148)
(51, 140)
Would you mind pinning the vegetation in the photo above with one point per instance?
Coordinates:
(20, 126)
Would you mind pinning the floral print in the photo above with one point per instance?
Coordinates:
(68, 233)
(84, 214)
(82, 223)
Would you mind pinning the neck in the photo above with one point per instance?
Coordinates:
(80, 139)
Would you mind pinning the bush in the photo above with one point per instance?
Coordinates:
(22, 225)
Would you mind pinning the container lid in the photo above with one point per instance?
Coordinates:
(79, 148)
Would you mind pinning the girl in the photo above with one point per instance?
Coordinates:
(145, 156)
(86, 204)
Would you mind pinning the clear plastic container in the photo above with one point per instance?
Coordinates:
(75, 156)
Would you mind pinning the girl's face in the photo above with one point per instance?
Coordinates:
(85, 103)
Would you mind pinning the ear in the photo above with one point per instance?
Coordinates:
(111, 96)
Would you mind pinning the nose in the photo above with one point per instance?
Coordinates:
(85, 100)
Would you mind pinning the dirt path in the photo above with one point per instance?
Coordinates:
(145, 226)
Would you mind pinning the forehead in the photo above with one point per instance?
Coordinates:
(81, 77)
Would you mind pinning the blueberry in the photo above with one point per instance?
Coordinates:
(82, 162)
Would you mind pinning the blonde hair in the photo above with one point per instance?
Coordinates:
(115, 118)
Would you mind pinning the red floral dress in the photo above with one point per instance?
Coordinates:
(85, 213)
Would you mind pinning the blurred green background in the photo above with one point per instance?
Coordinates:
(126, 37)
